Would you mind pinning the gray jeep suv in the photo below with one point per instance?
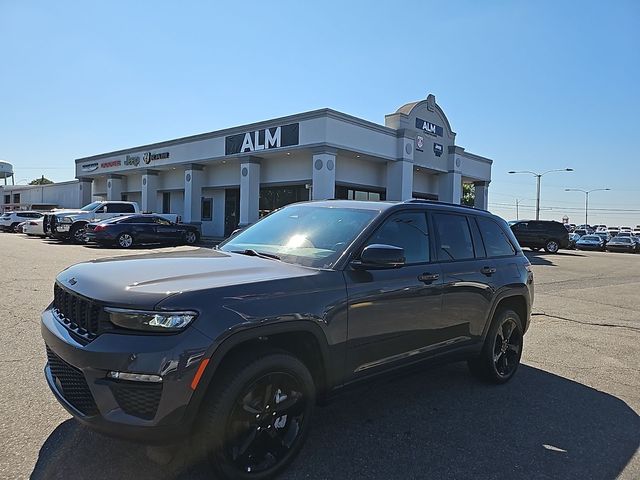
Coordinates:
(235, 346)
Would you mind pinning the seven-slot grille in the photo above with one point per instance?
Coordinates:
(79, 314)
(72, 384)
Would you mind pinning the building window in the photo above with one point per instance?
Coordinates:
(207, 209)
(7, 199)
(272, 198)
(348, 193)
(16, 198)
(166, 202)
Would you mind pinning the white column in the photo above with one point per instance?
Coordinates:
(114, 188)
(193, 180)
(149, 191)
(249, 190)
(450, 187)
(399, 180)
(482, 195)
(84, 192)
(324, 175)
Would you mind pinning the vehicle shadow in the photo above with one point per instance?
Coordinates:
(433, 424)
(544, 258)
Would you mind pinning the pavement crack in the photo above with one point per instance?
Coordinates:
(595, 324)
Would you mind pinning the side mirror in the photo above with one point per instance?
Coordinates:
(380, 256)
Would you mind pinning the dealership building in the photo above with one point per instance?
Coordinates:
(234, 176)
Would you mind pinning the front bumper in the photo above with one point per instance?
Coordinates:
(139, 411)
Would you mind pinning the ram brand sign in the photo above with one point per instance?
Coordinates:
(428, 127)
(265, 139)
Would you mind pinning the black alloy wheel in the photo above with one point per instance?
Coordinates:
(265, 422)
(257, 416)
(502, 350)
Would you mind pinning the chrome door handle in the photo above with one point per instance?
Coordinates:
(428, 277)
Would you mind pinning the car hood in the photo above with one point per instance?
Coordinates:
(141, 281)
(68, 212)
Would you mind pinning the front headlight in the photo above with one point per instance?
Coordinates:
(66, 220)
(150, 321)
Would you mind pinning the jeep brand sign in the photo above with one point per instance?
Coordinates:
(428, 127)
(89, 167)
(265, 139)
(132, 160)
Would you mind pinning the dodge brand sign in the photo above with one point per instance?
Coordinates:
(265, 139)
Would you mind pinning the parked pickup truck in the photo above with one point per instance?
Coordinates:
(71, 224)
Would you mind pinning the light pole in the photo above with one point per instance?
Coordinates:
(586, 199)
(538, 177)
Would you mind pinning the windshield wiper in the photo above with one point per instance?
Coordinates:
(254, 253)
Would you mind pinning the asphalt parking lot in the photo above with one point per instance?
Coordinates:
(570, 413)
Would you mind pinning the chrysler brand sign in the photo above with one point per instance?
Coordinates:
(265, 139)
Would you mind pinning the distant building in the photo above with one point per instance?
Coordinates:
(42, 197)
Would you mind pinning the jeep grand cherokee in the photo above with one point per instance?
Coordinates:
(235, 346)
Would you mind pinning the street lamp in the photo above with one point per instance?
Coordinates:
(586, 199)
(538, 177)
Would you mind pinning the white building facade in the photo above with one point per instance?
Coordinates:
(234, 176)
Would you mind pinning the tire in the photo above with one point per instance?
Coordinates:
(499, 361)
(256, 385)
(76, 233)
(12, 228)
(190, 237)
(124, 240)
(552, 246)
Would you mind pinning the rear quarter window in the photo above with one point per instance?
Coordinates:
(496, 242)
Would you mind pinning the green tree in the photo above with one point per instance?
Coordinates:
(468, 194)
(41, 181)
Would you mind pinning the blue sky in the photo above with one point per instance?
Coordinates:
(534, 85)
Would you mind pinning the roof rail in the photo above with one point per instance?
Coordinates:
(438, 202)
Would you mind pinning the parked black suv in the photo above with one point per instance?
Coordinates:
(237, 345)
(537, 234)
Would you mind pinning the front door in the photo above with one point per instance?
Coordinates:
(231, 210)
(393, 313)
(167, 231)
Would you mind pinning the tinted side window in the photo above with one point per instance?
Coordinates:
(453, 237)
(120, 208)
(161, 221)
(138, 220)
(407, 230)
(495, 240)
(520, 227)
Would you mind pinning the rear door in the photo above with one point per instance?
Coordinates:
(466, 273)
(394, 314)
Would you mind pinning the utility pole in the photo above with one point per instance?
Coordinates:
(517, 214)
(538, 177)
(586, 199)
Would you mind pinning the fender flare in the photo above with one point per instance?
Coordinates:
(512, 291)
(220, 349)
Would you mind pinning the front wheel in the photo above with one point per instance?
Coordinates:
(257, 416)
(502, 350)
(190, 237)
(77, 233)
(552, 246)
(124, 240)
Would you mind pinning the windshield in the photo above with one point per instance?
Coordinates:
(591, 238)
(90, 207)
(623, 240)
(306, 235)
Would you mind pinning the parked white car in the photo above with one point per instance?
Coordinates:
(10, 220)
(625, 229)
(34, 228)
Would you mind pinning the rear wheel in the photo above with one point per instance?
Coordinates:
(124, 240)
(502, 350)
(552, 246)
(257, 416)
